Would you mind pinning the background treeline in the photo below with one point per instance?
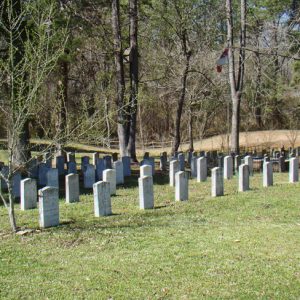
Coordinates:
(179, 42)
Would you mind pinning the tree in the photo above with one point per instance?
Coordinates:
(31, 50)
(236, 77)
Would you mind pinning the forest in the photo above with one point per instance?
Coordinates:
(129, 73)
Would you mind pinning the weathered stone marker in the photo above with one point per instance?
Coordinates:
(163, 160)
(267, 174)
(60, 164)
(95, 157)
(228, 167)
(102, 201)
(89, 176)
(181, 186)
(201, 169)
(294, 170)
(43, 169)
(109, 175)
(107, 162)
(48, 207)
(126, 160)
(181, 160)
(99, 169)
(72, 167)
(194, 167)
(145, 170)
(281, 164)
(237, 162)
(28, 194)
(244, 178)
(146, 192)
(72, 188)
(118, 166)
(248, 160)
(217, 182)
(85, 160)
(52, 178)
(174, 168)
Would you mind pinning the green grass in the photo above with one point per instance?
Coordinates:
(240, 246)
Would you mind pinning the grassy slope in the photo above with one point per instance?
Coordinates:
(240, 246)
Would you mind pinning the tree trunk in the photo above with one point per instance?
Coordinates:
(191, 138)
(134, 72)
(120, 81)
(177, 137)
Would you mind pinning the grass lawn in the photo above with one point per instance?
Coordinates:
(240, 246)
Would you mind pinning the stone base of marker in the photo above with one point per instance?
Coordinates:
(217, 182)
(146, 197)
(72, 188)
(181, 186)
(102, 201)
(244, 178)
(48, 207)
(28, 194)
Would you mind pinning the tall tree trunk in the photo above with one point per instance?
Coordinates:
(177, 137)
(134, 73)
(120, 81)
(236, 82)
(191, 138)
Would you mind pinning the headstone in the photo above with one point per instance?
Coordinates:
(114, 156)
(181, 186)
(228, 167)
(149, 161)
(217, 182)
(102, 201)
(145, 170)
(52, 178)
(89, 176)
(181, 160)
(189, 157)
(85, 160)
(107, 162)
(99, 169)
(249, 161)
(72, 188)
(126, 160)
(221, 161)
(33, 168)
(72, 167)
(146, 192)
(294, 170)
(237, 162)
(281, 164)
(28, 194)
(174, 168)
(267, 174)
(194, 167)
(109, 175)
(48, 207)
(60, 165)
(118, 166)
(16, 185)
(43, 169)
(95, 157)
(201, 169)
(71, 157)
(243, 178)
(146, 155)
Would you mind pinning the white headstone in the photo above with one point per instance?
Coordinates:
(249, 161)
(109, 175)
(267, 174)
(201, 169)
(217, 182)
(102, 201)
(146, 192)
(52, 178)
(181, 186)
(243, 178)
(118, 166)
(48, 207)
(145, 170)
(294, 170)
(72, 188)
(28, 194)
(89, 176)
(228, 167)
(174, 168)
